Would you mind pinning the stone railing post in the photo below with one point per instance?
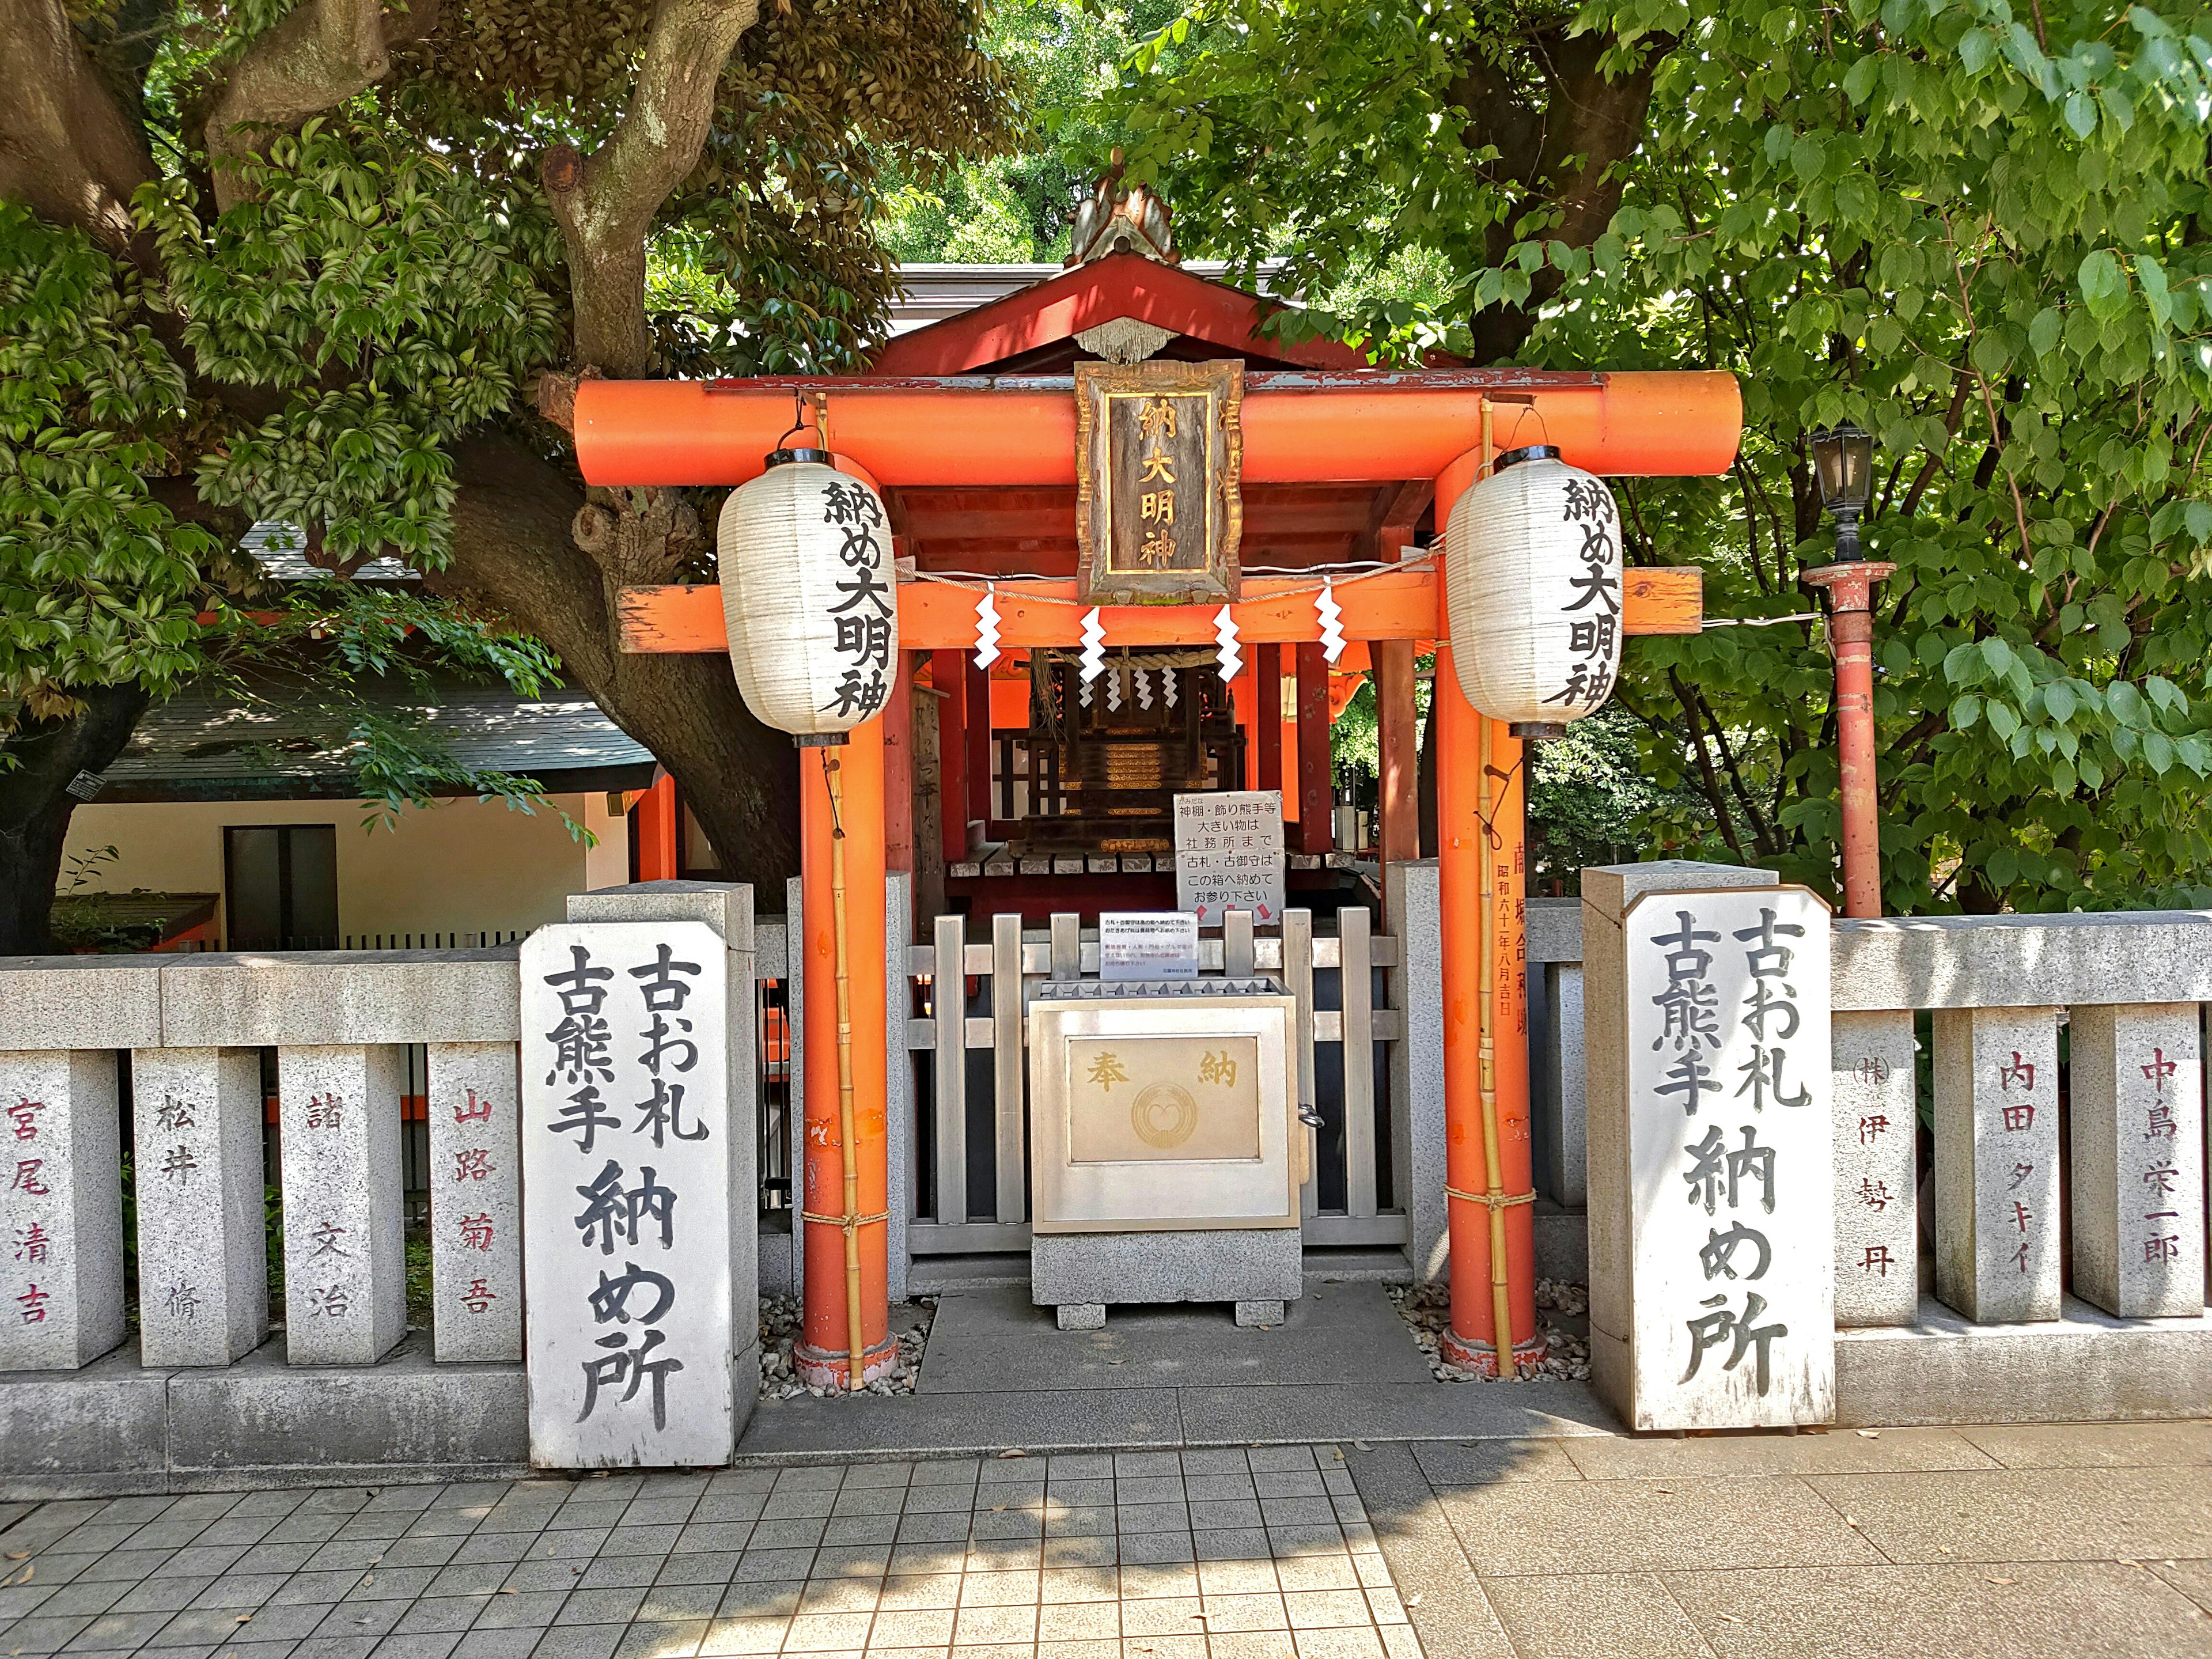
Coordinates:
(345, 1259)
(1996, 1163)
(202, 1230)
(62, 1182)
(476, 1201)
(1877, 1198)
(1565, 1108)
(2137, 1109)
(1417, 1069)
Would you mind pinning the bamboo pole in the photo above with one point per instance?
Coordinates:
(856, 1340)
(1501, 1313)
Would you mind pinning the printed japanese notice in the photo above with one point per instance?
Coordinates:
(1138, 945)
(1729, 1078)
(626, 1148)
(1229, 854)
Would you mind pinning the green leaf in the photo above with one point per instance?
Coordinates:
(2003, 720)
(1965, 712)
(2082, 114)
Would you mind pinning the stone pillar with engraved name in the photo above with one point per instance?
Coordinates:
(1996, 1163)
(202, 1226)
(476, 1201)
(61, 1207)
(345, 1261)
(1876, 1192)
(2137, 1115)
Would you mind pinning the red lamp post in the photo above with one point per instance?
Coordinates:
(1842, 461)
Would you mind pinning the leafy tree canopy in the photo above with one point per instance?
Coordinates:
(1984, 236)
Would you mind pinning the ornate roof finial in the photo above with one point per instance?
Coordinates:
(1113, 220)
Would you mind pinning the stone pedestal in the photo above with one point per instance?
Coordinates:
(476, 1201)
(2136, 1107)
(1996, 1163)
(203, 1231)
(61, 1209)
(345, 1262)
(1083, 1274)
(1876, 1187)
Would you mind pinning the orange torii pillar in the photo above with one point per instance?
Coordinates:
(1478, 778)
(834, 1300)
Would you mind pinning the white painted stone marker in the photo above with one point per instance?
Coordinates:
(1729, 1131)
(476, 1201)
(628, 1212)
(61, 1208)
(345, 1262)
(2137, 1110)
(1996, 1163)
(1877, 1204)
(202, 1234)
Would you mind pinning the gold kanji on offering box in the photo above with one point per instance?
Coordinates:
(1158, 513)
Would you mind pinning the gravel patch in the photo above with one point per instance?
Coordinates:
(1427, 1310)
(780, 1323)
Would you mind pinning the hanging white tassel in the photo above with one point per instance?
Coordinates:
(1168, 685)
(1332, 621)
(986, 627)
(1144, 676)
(1114, 690)
(1224, 637)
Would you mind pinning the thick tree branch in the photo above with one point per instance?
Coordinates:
(515, 550)
(605, 201)
(1566, 156)
(68, 149)
(323, 53)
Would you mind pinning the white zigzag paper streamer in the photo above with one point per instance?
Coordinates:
(986, 627)
(1224, 638)
(1332, 621)
(1168, 684)
(1094, 647)
(1143, 688)
(1114, 691)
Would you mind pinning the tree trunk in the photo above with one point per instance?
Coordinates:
(35, 805)
(513, 551)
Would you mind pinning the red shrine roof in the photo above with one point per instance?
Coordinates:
(1033, 330)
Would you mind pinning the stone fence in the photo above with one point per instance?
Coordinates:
(2033, 1210)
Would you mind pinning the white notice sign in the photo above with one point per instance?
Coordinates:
(1729, 1079)
(1147, 945)
(1229, 854)
(626, 1195)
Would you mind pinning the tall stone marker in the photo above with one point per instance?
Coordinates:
(202, 1226)
(1877, 1195)
(627, 1201)
(345, 1251)
(476, 1201)
(1709, 1089)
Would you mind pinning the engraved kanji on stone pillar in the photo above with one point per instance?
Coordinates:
(1877, 1197)
(203, 1234)
(61, 1207)
(476, 1201)
(345, 1267)
(1996, 1163)
(2138, 1112)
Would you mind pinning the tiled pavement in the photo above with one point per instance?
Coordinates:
(1221, 1554)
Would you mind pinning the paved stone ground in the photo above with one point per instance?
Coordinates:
(2030, 1541)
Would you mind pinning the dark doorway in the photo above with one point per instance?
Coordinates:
(280, 883)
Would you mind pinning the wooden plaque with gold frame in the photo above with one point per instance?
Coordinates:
(1158, 452)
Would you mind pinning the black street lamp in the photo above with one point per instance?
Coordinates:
(1842, 463)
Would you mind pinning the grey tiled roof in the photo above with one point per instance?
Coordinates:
(200, 745)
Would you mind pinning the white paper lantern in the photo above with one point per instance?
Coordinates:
(1532, 588)
(810, 596)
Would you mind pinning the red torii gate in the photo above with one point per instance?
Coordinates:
(1309, 417)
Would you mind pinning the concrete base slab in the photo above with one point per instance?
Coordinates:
(1082, 1316)
(1259, 1315)
(1562, 1243)
(1226, 1264)
(995, 1342)
(2084, 1366)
